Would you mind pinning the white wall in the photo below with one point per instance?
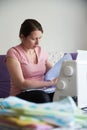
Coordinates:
(64, 23)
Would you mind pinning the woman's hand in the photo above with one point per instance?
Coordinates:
(54, 81)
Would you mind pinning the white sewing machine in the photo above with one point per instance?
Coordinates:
(73, 80)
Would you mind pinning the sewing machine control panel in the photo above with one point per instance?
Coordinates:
(66, 75)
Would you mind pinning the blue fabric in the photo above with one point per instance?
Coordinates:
(55, 70)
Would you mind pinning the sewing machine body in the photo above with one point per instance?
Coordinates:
(73, 81)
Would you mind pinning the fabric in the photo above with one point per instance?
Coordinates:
(55, 71)
(53, 113)
(23, 123)
(30, 70)
(62, 113)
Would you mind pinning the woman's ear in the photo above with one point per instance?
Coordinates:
(22, 37)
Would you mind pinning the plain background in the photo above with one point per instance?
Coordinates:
(64, 23)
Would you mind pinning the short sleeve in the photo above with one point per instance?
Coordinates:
(12, 53)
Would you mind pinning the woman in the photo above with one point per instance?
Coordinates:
(27, 63)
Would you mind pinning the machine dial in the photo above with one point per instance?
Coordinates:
(68, 70)
(61, 84)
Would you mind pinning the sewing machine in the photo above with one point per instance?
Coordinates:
(73, 80)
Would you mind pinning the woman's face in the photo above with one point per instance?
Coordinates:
(33, 39)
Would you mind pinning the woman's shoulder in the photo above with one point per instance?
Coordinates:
(14, 48)
(14, 51)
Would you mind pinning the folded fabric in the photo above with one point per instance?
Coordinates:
(55, 70)
(23, 123)
(62, 113)
(56, 113)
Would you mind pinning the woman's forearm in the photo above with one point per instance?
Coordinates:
(32, 84)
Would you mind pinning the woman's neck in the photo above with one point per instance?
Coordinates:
(27, 50)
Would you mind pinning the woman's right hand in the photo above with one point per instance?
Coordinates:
(54, 81)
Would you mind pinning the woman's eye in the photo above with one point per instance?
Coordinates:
(36, 38)
(32, 38)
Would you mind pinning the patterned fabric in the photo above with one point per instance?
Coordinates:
(54, 113)
(21, 113)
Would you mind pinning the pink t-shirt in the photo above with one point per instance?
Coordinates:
(30, 70)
